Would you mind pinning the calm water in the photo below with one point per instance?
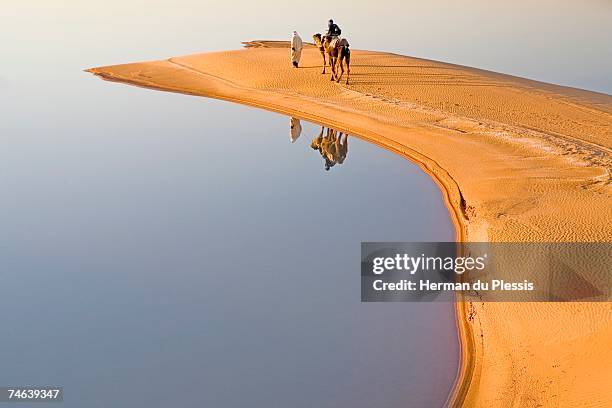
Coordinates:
(166, 250)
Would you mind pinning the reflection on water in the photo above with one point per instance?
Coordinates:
(183, 254)
(330, 143)
(295, 129)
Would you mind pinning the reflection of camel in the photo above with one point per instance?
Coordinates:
(338, 52)
(333, 146)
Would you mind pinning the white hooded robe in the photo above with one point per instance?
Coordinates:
(296, 48)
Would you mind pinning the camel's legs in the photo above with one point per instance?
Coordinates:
(348, 66)
(345, 55)
(341, 66)
(332, 65)
(324, 61)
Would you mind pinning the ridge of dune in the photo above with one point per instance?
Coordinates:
(516, 160)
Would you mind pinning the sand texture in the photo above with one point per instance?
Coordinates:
(515, 159)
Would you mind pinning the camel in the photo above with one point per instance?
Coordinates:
(319, 44)
(338, 52)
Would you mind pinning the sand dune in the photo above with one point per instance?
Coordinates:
(516, 160)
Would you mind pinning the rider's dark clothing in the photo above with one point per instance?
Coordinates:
(333, 30)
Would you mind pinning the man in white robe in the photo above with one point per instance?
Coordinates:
(296, 49)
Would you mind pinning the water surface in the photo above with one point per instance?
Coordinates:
(166, 250)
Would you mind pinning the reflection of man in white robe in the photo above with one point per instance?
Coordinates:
(296, 49)
(296, 129)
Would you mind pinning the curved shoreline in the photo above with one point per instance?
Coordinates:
(465, 363)
(561, 149)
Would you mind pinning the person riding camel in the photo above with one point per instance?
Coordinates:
(332, 29)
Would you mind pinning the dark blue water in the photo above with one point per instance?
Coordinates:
(166, 250)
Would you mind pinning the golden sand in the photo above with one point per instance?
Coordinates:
(516, 160)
